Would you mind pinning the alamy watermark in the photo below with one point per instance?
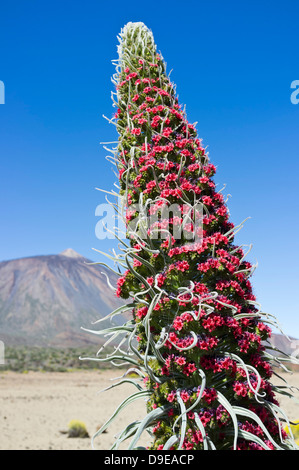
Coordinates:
(2, 353)
(155, 220)
(295, 94)
(2, 92)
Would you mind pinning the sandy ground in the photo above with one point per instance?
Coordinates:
(36, 407)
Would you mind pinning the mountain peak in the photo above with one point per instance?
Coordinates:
(70, 253)
(51, 297)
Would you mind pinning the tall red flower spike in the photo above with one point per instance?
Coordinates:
(196, 334)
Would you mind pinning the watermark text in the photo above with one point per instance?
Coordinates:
(2, 92)
(295, 94)
(157, 220)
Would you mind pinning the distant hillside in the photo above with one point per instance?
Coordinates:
(287, 345)
(45, 300)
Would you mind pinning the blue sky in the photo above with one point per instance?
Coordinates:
(233, 63)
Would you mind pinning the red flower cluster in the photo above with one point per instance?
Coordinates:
(194, 310)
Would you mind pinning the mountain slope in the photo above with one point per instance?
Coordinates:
(45, 300)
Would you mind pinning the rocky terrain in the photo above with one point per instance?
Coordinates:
(45, 300)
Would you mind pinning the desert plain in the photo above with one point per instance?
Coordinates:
(36, 408)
